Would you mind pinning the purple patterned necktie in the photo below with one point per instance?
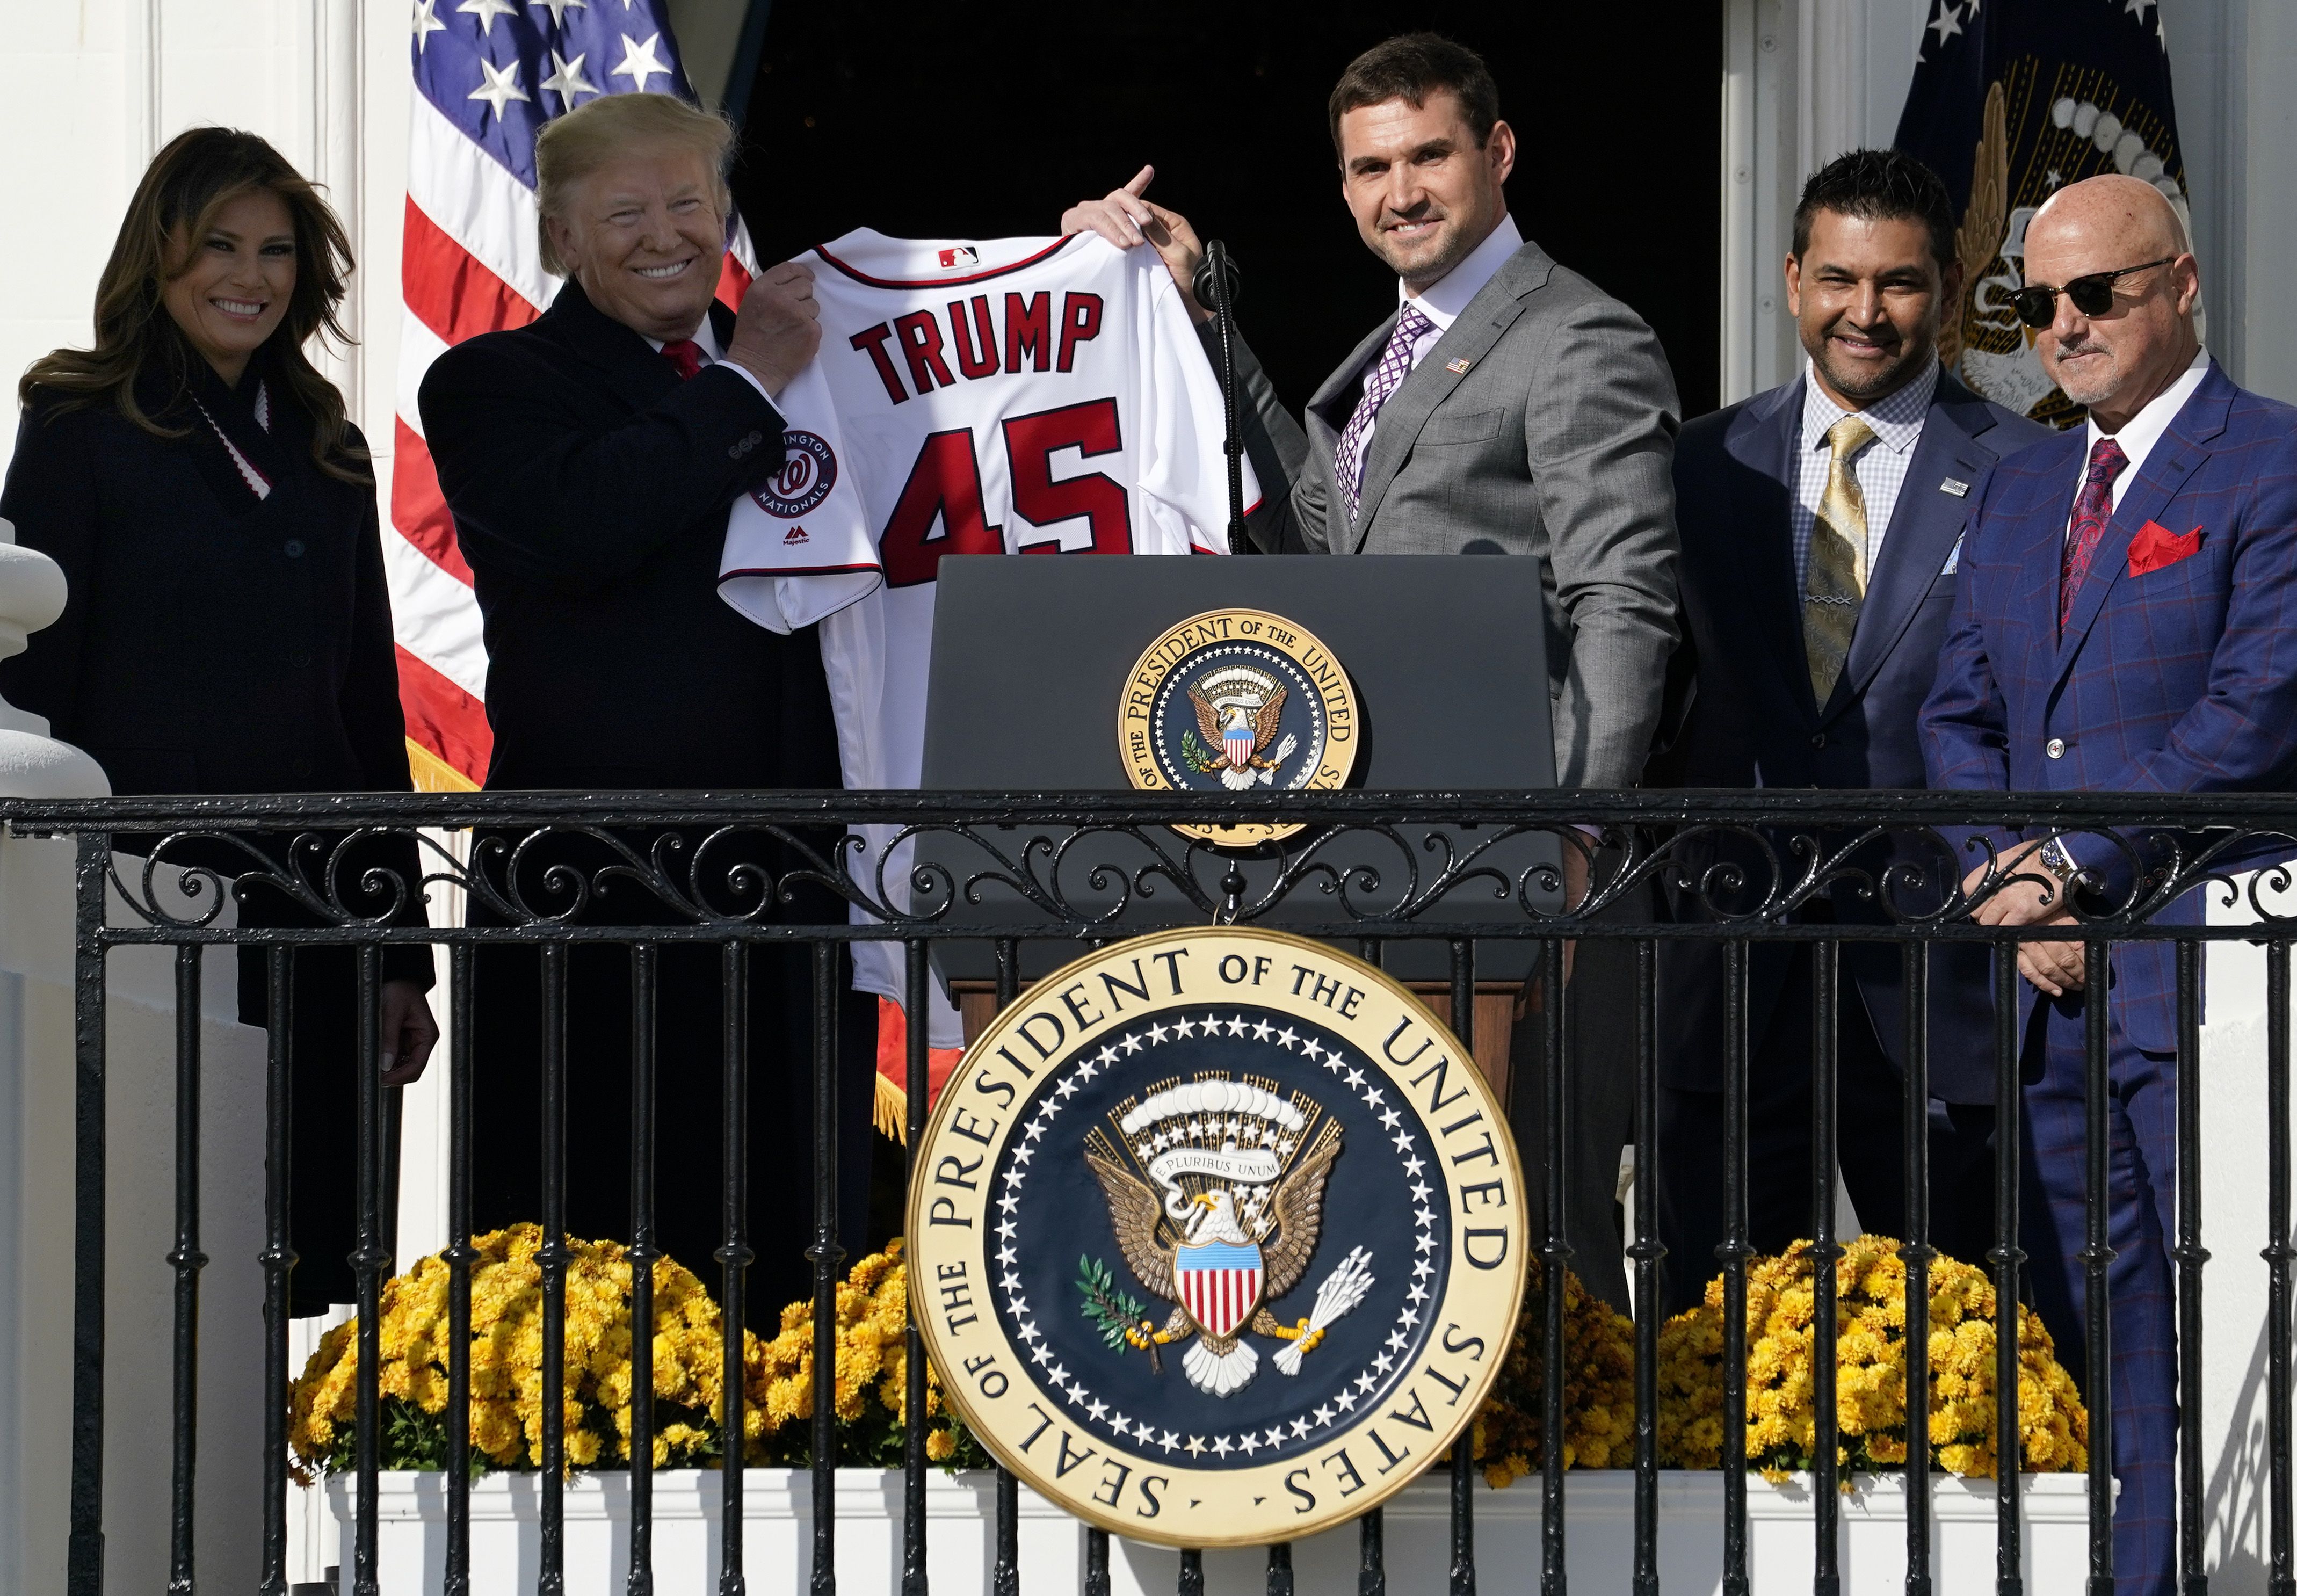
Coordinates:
(1387, 377)
(2093, 509)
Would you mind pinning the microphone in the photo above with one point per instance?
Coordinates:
(1217, 278)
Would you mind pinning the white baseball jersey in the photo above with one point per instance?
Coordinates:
(1032, 395)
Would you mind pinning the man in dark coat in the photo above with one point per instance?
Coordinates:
(590, 460)
(1821, 524)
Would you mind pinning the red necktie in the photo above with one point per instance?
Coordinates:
(685, 354)
(2093, 509)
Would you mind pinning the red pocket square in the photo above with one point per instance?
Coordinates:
(2156, 546)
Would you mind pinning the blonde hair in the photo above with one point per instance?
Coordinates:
(572, 146)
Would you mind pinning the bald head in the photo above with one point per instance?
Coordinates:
(2115, 361)
(2122, 210)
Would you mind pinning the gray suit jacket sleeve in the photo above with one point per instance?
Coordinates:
(1599, 431)
(1290, 519)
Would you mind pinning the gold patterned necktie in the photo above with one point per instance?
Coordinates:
(1835, 583)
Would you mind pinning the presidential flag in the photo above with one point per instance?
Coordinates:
(487, 75)
(2012, 100)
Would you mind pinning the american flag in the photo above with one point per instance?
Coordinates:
(487, 75)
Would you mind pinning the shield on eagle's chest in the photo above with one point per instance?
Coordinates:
(1220, 1284)
(1237, 743)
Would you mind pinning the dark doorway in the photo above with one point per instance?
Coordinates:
(987, 120)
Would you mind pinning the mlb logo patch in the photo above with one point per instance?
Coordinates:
(964, 254)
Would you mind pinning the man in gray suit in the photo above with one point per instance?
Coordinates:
(1508, 406)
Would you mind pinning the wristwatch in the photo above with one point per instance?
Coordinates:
(2052, 856)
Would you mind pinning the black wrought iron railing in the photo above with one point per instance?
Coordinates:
(1375, 872)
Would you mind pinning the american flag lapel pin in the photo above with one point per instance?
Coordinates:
(1955, 486)
(1458, 369)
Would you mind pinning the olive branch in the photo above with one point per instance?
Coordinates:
(1193, 751)
(1117, 1315)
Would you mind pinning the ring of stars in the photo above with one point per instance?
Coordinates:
(1071, 1386)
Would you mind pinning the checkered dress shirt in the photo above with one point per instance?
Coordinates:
(1880, 466)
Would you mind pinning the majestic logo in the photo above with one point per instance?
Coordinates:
(1217, 1237)
(1233, 700)
(809, 472)
(797, 534)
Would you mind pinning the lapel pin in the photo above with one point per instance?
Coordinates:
(1458, 369)
(1960, 489)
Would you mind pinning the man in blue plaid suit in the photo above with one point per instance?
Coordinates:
(2126, 621)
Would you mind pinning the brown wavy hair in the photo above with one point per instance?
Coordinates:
(187, 184)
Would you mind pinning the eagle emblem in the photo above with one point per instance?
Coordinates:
(1224, 1224)
(1238, 710)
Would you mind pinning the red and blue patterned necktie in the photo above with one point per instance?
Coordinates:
(2093, 509)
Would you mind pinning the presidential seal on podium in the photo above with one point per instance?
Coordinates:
(1237, 700)
(1217, 1237)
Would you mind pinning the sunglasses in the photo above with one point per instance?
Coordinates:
(2038, 305)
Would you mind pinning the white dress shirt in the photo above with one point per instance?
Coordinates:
(2143, 430)
(1442, 304)
(705, 339)
(1880, 466)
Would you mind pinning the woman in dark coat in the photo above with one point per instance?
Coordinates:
(229, 630)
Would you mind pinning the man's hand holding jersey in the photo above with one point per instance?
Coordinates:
(779, 326)
(1125, 220)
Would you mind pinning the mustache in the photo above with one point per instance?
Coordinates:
(2070, 347)
(1886, 335)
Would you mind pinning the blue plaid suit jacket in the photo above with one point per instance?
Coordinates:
(2180, 680)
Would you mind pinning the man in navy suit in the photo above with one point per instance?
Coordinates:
(2124, 622)
(1820, 525)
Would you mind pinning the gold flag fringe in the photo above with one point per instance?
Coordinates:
(890, 1111)
(434, 775)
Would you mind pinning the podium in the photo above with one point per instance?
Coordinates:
(1031, 660)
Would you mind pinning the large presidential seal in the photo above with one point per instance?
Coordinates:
(1217, 1237)
(1235, 701)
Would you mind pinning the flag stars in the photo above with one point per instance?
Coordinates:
(426, 24)
(487, 11)
(558, 9)
(639, 61)
(499, 88)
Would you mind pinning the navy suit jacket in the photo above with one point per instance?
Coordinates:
(1753, 721)
(2182, 680)
(590, 489)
